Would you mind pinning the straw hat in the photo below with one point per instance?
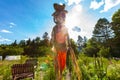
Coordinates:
(59, 7)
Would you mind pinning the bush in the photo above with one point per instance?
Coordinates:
(90, 51)
(37, 51)
(113, 72)
(99, 68)
(10, 51)
(104, 52)
(50, 74)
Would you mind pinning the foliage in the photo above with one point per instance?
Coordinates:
(74, 47)
(103, 44)
(14, 43)
(92, 47)
(37, 51)
(36, 47)
(115, 44)
(80, 43)
(45, 50)
(50, 74)
(98, 68)
(5, 69)
(102, 30)
(80, 40)
(113, 72)
(7, 73)
(92, 68)
(104, 52)
(116, 23)
(45, 36)
(10, 50)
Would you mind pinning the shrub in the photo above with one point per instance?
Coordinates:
(49, 74)
(113, 72)
(104, 52)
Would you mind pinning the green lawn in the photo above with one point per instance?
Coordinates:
(91, 68)
(5, 67)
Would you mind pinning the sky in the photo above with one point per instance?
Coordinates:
(24, 19)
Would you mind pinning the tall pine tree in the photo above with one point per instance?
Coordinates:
(102, 30)
(116, 27)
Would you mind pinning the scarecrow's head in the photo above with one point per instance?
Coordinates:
(59, 7)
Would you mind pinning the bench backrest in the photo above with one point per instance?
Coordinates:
(22, 68)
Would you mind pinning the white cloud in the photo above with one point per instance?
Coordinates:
(77, 16)
(70, 2)
(76, 28)
(5, 31)
(95, 5)
(110, 4)
(26, 39)
(12, 24)
(4, 39)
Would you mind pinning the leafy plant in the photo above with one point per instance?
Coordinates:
(49, 74)
(104, 52)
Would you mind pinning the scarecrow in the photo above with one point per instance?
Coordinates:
(61, 44)
(59, 39)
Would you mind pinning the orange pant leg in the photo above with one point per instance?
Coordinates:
(61, 59)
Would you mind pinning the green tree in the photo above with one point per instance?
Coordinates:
(80, 40)
(92, 47)
(22, 43)
(80, 43)
(74, 47)
(104, 52)
(85, 41)
(45, 41)
(102, 30)
(28, 42)
(45, 36)
(14, 43)
(10, 50)
(116, 27)
(37, 40)
(33, 43)
(116, 23)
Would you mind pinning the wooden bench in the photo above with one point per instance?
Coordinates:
(21, 71)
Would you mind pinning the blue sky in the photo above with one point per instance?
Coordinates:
(23, 19)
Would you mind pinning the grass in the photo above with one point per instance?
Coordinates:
(99, 68)
(90, 70)
(5, 67)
